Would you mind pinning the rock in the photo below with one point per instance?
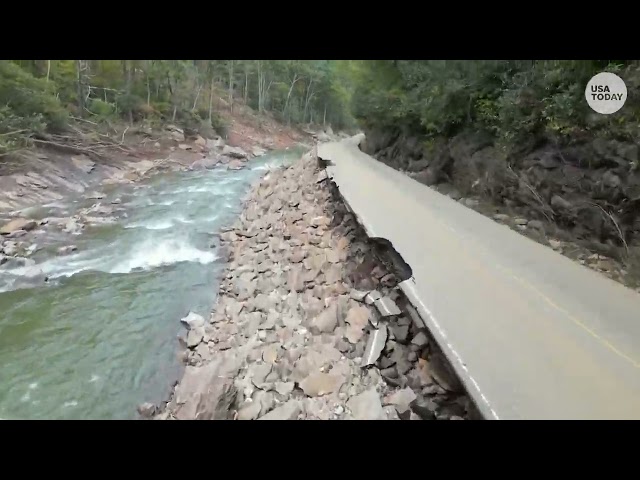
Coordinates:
(521, 221)
(200, 141)
(235, 165)
(146, 410)
(203, 350)
(326, 322)
(259, 373)
(420, 339)
(537, 224)
(250, 410)
(18, 224)
(424, 408)
(401, 398)
(560, 203)
(400, 332)
(555, 244)
(389, 280)
(270, 354)
(356, 319)
(287, 411)
(611, 180)
(258, 152)
(67, 249)
(295, 279)
(195, 336)
(501, 217)
(284, 388)
(318, 384)
(184, 146)
(366, 406)
(234, 152)
(387, 307)
(358, 295)
(193, 321)
(206, 392)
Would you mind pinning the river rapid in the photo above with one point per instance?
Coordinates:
(99, 337)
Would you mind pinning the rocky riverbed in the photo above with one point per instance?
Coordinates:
(309, 322)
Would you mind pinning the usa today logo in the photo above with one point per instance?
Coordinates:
(606, 93)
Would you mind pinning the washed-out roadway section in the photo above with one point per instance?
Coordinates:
(531, 334)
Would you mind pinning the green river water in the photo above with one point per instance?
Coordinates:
(100, 337)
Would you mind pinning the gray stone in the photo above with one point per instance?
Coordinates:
(501, 217)
(296, 279)
(206, 392)
(66, 250)
(425, 408)
(195, 336)
(358, 295)
(18, 224)
(318, 384)
(401, 398)
(250, 410)
(521, 221)
(146, 410)
(192, 321)
(284, 388)
(259, 373)
(366, 406)
(400, 332)
(420, 339)
(357, 319)
(203, 350)
(537, 224)
(326, 322)
(287, 411)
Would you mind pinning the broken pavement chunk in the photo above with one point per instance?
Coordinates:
(375, 344)
(371, 297)
(387, 307)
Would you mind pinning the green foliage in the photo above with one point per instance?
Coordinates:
(29, 97)
(101, 108)
(511, 99)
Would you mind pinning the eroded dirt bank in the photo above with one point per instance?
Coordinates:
(309, 322)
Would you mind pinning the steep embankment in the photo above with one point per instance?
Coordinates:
(582, 200)
(297, 333)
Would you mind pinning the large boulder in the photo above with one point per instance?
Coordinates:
(18, 224)
(206, 392)
(234, 152)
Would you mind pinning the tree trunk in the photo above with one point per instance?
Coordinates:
(246, 85)
(79, 69)
(148, 89)
(324, 117)
(286, 103)
(260, 86)
(231, 85)
(48, 69)
(195, 102)
(306, 102)
(211, 98)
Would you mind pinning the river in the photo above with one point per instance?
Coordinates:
(100, 337)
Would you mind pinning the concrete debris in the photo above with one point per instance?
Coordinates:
(387, 307)
(375, 344)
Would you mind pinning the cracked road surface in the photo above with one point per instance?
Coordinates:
(531, 334)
